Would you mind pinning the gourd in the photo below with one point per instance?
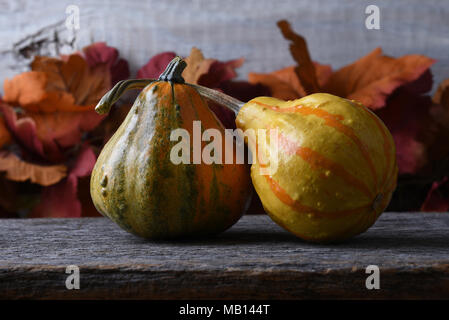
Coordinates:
(335, 163)
(135, 183)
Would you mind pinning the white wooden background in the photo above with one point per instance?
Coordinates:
(225, 29)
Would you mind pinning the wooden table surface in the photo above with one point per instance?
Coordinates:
(255, 259)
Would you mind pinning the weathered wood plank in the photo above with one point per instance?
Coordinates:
(255, 259)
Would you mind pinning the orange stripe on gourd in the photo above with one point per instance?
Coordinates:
(389, 157)
(316, 160)
(284, 197)
(333, 121)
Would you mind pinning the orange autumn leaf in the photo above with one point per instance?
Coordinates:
(374, 77)
(369, 80)
(18, 170)
(58, 85)
(278, 88)
(63, 128)
(305, 69)
(197, 65)
(284, 83)
(57, 99)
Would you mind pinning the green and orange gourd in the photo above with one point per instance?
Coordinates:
(135, 183)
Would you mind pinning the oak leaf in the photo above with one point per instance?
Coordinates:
(57, 101)
(305, 69)
(197, 66)
(58, 85)
(374, 77)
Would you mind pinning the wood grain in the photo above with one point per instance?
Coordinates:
(255, 259)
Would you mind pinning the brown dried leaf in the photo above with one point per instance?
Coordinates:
(18, 170)
(197, 65)
(305, 69)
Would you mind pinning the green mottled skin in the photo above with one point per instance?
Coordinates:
(135, 184)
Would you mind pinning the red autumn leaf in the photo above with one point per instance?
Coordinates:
(61, 200)
(438, 197)
(46, 134)
(409, 120)
(374, 77)
(19, 170)
(155, 66)
(219, 72)
(23, 131)
(115, 118)
(99, 53)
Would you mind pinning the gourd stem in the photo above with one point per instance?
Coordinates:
(173, 72)
(105, 104)
(219, 97)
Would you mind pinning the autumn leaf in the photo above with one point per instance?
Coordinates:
(305, 69)
(220, 76)
(23, 130)
(64, 129)
(409, 120)
(115, 118)
(61, 200)
(220, 72)
(57, 100)
(197, 66)
(374, 77)
(155, 66)
(5, 136)
(18, 170)
(58, 85)
(99, 53)
(284, 83)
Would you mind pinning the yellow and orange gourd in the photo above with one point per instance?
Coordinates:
(336, 169)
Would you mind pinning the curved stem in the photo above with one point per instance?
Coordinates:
(219, 97)
(173, 72)
(105, 104)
